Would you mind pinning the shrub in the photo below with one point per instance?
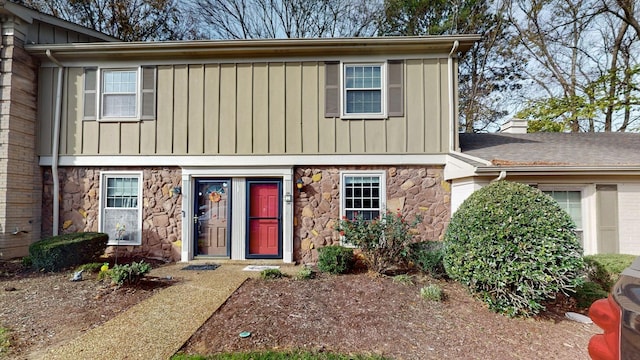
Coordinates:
(431, 293)
(588, 292)
(58, 252)
(335, 259)
(267, 274)
(605, 269)
(428, 257)
(514, 247)
(129, 273)
(384, 242)
(304, 273)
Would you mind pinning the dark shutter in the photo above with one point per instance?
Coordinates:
(395, 87)
(332, 89)
(148, 93)
(90, 93)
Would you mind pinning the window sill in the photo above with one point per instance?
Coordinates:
(124, 243)
(364, 117)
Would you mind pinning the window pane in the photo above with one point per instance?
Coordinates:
(122, 192)
(119, 105)
(364, 101)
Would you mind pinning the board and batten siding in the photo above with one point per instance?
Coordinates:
(260, 108)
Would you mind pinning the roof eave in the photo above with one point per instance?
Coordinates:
(561, 170)
(257, 48)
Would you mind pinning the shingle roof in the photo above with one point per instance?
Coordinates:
(554, 149)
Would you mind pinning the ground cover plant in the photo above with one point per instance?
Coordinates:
(513, 247)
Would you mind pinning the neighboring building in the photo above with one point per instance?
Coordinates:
(594, 176)
(196, 148)
(20, 176)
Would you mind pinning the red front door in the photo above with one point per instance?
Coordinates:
(264, 219)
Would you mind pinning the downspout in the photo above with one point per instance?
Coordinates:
(56, 145)
(452, 105)
(503, 174)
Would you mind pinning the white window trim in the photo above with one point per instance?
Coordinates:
(102, 200)
(100, 79)
(383, 91)
(383, 193)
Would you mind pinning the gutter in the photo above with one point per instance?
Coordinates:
(452, 107)
(56, 145)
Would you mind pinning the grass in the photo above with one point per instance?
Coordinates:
(403, 279)
(277, 355)
(5, 343)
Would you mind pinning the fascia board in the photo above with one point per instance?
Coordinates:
(560, 170)
(257, 48)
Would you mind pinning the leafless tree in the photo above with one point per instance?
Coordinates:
(253, 19)
(129, 20)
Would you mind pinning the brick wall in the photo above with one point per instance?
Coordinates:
(20, 175)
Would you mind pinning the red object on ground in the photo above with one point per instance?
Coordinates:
(606, 314)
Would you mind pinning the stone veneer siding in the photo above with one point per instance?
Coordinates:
(79, 208)
(411, 189)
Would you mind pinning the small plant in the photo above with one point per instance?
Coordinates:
(335, 259)
(5, 341)
(431, 293)
(129, 273)
(267, 274)
(27, 262)
(305, 273)
(384, 241)
(403, 279)
(588, 292)
(428, 257)
(93, 267)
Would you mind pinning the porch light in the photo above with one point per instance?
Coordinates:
(299, 185)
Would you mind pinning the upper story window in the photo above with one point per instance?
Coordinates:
(120, 94)
(364, 90)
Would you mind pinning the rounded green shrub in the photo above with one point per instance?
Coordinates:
(62, 251)
(514, 247)
(335, 259)
(588, 292)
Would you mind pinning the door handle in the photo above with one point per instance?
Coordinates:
(195, 219)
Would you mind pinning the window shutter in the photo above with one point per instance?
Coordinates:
(148, 111)
(90, 93)
(395, 87)
(332, 89)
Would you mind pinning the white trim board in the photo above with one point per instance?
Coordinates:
(235, 161)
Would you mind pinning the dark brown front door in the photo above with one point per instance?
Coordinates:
(212, 217)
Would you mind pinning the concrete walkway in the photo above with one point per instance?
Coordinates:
(157, 327)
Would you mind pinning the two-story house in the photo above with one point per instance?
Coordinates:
(244, 149)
